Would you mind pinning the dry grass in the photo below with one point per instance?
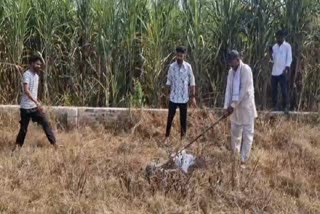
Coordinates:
(102, 170)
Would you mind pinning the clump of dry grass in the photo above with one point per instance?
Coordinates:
(100, 170)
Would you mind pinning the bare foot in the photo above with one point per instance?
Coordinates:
(243, 165)
(183, 139)
(15, 149)
(56, 146)
(166, 141)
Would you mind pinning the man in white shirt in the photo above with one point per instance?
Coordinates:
(180, 77)
(282, 57)
(30, 107)
(240, 103)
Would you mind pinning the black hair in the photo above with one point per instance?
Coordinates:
(232, 55)
(35, 58)
(181, 49)
(281, 33)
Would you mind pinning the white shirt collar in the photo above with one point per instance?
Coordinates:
(284, 42)
(239, 67)
(184, 64)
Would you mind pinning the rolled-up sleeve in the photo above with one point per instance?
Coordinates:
(169, 76)
(273, 51)
(289, 56)
(26, 78)
(192, 79)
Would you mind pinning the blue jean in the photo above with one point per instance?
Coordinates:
(282, 80)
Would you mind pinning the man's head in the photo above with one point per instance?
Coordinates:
(35, 63)
(180, 54)
(280, 36)
(234, 59)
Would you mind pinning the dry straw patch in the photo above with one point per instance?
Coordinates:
(101, 170)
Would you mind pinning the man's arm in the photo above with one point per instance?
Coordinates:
(193, 91)
(169, 80)
(28, 93)
(288, 58)
(192, 87)
(227, 93)
(247, 82)
(227, 108)
(43, 66)
(192, 83)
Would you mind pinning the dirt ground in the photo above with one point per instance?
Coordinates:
(102, 169)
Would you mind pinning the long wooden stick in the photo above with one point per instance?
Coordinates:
(200, 135)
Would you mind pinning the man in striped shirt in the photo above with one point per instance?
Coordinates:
(30, 106)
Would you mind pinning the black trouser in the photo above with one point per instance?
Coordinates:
(183, 117)
(36, 116)
(282, 80)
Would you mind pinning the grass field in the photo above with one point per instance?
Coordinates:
(101, 170)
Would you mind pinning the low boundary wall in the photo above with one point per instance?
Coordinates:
(73, 117)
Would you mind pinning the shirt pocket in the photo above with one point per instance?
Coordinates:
(282, 53)
(186, 81)
(184, 78)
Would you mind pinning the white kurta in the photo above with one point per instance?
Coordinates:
(242, 118)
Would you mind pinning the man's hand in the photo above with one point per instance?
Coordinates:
(228, 111)
(43, 66)
(194, 102)
(19, 68)
(286, 71)
(39, 106)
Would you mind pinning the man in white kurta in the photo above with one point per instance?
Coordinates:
(240, 103)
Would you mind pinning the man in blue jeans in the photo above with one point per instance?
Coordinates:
(282, 57)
